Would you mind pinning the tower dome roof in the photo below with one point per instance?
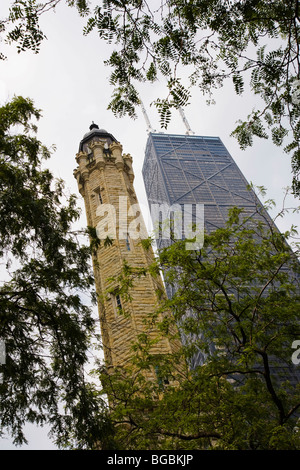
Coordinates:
(95, 132)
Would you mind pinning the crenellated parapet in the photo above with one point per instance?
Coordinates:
(100, 153)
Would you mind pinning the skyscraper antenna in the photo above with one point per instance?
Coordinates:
(149, 127)
(188, 128)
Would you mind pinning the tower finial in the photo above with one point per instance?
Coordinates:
(93, 126)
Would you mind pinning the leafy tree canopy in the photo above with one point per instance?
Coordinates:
(254, 43)
(242, 295)
(46, 326)
(242, 292)
(244, 302)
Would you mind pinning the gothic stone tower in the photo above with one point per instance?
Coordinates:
(105, 180)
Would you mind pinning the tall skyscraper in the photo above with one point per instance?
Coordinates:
(181, 170)
(188, 169)
(105, 180)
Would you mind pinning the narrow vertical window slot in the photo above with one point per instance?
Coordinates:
(128, 244)
(117, 304)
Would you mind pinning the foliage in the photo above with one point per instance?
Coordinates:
(242, 288)
(254, 43)
(241, 291)
(45, 324)
(237, 303)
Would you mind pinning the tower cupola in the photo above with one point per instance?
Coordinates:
(95, 135)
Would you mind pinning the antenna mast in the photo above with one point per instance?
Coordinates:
(189, 130)
(149, 127)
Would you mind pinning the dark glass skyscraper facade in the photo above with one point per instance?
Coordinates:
(187, 169)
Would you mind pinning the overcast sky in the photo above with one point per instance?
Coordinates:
(69, 82)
